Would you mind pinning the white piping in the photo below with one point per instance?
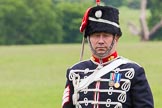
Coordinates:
(104, 21)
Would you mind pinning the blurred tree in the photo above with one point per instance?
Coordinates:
(10, 21)
(27, 22)
(45, 26)
(155, 23)
(72, 1)
(155, 19)
(135, 4)
(56, 21)
(71, 16)
(115, 3)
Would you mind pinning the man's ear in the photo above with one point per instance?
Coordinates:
(116, 37)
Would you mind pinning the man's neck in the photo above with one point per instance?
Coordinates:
(104, 59)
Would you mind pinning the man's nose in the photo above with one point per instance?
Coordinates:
(101, 39)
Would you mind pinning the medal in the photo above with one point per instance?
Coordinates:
(117, 80)
(112, 77)
(111, 83)
(116, 85)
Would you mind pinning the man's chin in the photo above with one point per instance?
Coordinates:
(101, 54)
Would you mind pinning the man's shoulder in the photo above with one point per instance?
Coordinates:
(82, 64)
(131, 63)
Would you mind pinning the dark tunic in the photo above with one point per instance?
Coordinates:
(125, 86)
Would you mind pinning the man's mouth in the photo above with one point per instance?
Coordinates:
(100, 48)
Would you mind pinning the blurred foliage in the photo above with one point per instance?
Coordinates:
(71, 16)
(27, 22)
(51, 21)
(135, 4)
(156, 15)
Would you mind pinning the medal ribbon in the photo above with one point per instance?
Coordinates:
(112, 76)
(117, 77)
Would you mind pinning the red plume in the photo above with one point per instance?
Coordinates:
(98, 2)
(85, 20)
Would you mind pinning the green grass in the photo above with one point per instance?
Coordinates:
(34, 76)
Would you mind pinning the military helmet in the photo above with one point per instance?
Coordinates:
(101, 19)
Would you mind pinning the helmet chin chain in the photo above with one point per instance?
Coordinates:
(106, 53)
(82, 50)
(94, 52)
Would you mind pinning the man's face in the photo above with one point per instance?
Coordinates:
(101, 42)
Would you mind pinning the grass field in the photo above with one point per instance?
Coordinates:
(34, 76)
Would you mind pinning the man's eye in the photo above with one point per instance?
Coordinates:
(106, 35)
(97, 35)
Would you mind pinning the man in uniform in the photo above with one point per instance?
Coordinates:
(107, 80)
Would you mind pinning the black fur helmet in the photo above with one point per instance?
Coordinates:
(101, 19)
